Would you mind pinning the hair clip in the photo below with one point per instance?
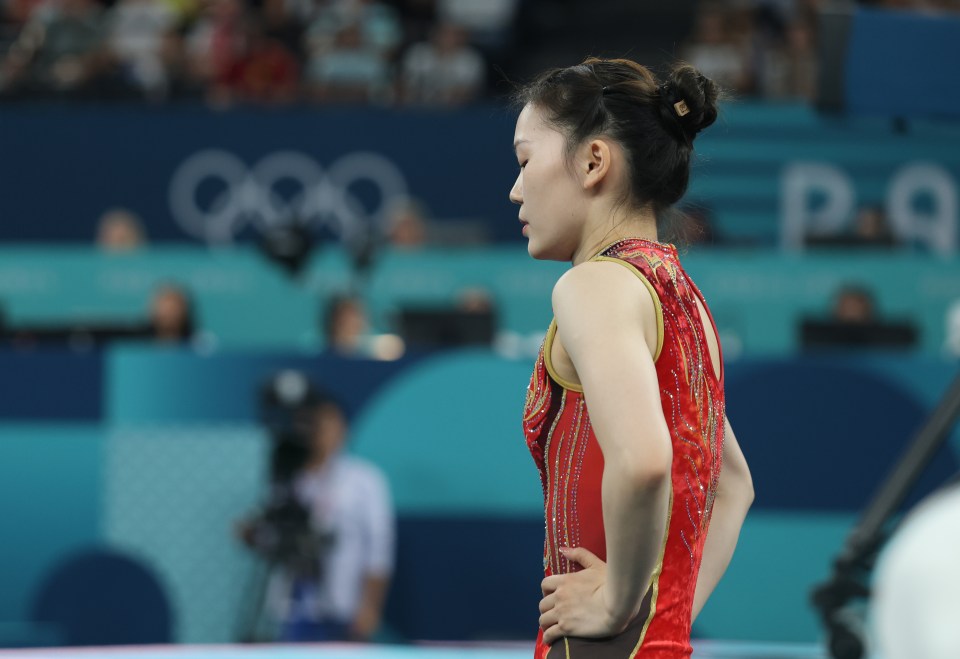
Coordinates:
(681, 108)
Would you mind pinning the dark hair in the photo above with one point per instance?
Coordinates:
(655, 122)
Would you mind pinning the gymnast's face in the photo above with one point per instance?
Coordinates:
(551, 198)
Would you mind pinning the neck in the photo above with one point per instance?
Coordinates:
(642, 225)
(317, 462)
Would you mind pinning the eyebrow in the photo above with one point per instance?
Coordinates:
(518, 143)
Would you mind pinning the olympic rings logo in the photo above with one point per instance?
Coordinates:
(213, 195)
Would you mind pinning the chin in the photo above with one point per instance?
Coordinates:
(536, 251)
(545, 252)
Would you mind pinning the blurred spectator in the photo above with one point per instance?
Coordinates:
(215, 46)
(717, 51)
(789, 63)
(346, 326)
(349, 502)
(352, 71)
(378, 25)
(854, 305)
(870, 229)
(488, 22)
(179, 67)
(14, 14)
(61, 53)
(136, 34)
(407, 225)
(172, 315)
(120, 230)
(476, 300)
(470, 321)
(170, 320)
(266, 73)
(281, 25)
(186, 11)
(855, 322)
(418, 17)
(443, 71)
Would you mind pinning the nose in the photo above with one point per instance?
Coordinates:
(516, 192)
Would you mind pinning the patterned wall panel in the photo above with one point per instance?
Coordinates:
(171, 497)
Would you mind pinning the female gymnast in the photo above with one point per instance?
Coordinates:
(625, 411)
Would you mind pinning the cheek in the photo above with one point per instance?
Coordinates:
(539, 183)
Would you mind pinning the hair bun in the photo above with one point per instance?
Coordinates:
(689, 99)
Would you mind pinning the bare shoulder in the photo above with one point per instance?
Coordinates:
(597, 284)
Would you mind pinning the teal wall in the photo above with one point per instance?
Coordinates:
(51, 484)
(757, 297)
(447, 433)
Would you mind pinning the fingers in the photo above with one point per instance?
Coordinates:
(583, 557)
(550, 584)
(552, 634)
(548, 603)
(548, 620)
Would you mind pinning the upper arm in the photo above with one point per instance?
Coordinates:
(605, 317)
(379, 518)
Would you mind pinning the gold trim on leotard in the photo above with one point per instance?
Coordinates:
(657, 307)
(655, 578)
(548, 360)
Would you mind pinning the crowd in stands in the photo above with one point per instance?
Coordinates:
(393, 52)
(768, 48)
(261, 51)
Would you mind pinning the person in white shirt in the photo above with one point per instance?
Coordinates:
(445, 71)
(349, 502)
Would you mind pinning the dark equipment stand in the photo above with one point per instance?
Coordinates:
(852, 567)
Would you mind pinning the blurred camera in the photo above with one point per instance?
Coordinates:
(281, 532)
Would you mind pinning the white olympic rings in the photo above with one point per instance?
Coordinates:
(251, 195)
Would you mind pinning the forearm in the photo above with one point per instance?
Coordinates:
(635, 510)
(371, 607)
(729, 511)
(374, 593)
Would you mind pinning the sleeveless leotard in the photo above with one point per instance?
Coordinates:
(561, 439)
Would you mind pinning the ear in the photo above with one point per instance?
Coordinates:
(595, 163)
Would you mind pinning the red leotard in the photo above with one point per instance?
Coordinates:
(565, 449)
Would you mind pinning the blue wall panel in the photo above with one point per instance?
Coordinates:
(50, 384)
(195, 174)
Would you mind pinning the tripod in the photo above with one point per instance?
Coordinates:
(298, 558)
